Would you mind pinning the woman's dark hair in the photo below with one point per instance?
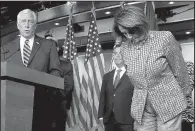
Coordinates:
(118, 32)
(133, 19)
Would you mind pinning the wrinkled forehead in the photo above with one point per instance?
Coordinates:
(26, 15)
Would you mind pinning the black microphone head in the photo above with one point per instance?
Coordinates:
(5, 52)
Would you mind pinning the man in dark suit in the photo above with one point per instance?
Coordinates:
(63, 98)
(29, 50)
(116, 97)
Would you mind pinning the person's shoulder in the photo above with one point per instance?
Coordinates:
(160, 38)
(44, 41)
(65, 61)
(108, 73)
(160, 34)
(39, 38)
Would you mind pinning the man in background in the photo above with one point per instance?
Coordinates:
(116, 97)
(64, 97)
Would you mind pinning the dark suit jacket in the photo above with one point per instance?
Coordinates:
(67, 72)
(116, 99)
(44, 56)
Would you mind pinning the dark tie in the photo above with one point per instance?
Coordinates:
(26, 52)
(117, 78)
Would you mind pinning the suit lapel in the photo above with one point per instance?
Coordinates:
(36, 46)
(111, 77)
(121, 79)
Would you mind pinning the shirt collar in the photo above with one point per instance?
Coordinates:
(122, 68)
(23, 39)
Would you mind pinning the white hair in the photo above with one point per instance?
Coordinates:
(26, 11)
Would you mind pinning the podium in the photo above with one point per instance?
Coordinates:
(24, 97)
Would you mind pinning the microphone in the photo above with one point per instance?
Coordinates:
(11, 54)
(7, 51)
(4, 52)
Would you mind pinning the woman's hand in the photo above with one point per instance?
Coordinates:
(118, 42)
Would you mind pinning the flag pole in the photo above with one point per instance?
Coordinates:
(93, 9)
(70, 24)
(122, 3)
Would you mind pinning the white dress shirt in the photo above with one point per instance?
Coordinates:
(123, 69)
(22, 42)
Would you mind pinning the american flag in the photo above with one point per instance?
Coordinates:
(93, 73)
(70, 52)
